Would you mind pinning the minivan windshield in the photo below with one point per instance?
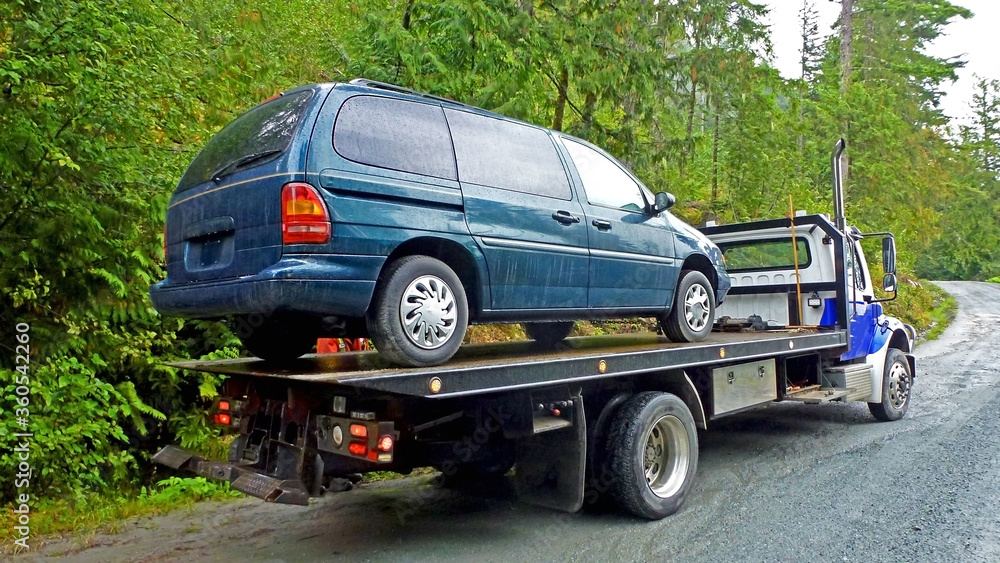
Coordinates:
(259, 135)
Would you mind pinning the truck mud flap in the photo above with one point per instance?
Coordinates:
(551, 465)
(243, 479)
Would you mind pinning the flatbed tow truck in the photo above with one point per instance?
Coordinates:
(591, 417)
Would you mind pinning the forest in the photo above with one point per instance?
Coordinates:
(104, 102)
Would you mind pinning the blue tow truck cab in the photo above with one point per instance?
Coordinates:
(577, 419)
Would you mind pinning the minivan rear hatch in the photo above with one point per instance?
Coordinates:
(224, 219)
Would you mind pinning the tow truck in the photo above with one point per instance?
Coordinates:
(592, 417)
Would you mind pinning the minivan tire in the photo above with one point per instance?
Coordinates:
(691, 317)
(275, 340)
(548, 334)
(420, 312)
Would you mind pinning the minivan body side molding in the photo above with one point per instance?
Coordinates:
(380, 187)
(631, 256)
(539, 246)
(567, 314)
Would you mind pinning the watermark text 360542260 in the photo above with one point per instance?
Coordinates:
(22, 451)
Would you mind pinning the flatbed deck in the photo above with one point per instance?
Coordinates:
(487, 368)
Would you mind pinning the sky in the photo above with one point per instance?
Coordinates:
(973, 40)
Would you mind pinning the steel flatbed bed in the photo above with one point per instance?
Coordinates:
(485, 368)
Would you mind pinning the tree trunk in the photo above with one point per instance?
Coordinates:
(715, 164)
(846, 37)
(557, 120)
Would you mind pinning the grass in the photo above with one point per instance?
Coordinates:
(942, 314)
(376, 476)
(93, 512)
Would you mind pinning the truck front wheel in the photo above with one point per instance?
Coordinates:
(653, 454)
(897, 381)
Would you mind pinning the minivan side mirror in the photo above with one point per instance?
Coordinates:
(889, 255)
(663, 201)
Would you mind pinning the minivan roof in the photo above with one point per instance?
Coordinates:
(385, 87)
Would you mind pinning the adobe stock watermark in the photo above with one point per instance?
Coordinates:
(22, 451)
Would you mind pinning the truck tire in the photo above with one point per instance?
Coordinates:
(548, 334)
(691, 317)
(275, 340)
(897, 381)
(653, 454)
(419, 314)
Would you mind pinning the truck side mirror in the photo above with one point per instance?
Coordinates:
(889, 256)
(663, 201)
(889, 283)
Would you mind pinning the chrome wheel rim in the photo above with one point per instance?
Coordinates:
(696, 307)
(899, 385)
(666, 456)
(428, 312)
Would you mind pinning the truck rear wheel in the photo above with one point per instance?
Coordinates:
(897, 381)
(548, 334)
(653, 454)
(691, 317)
(419, 314)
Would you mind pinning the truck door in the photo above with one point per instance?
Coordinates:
(862, 312)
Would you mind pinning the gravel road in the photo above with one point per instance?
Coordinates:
(783, 483)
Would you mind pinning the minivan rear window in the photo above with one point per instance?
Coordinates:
(264, 131)
(507, 155)
(395, 134)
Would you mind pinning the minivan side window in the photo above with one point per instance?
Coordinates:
(507, 155)
(395, 134)
(605, 183)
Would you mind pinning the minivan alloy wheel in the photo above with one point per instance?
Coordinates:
(697, 310)
(427, 311)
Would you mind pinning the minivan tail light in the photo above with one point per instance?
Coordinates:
(304, 219)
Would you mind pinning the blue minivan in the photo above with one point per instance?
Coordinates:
(369, 210)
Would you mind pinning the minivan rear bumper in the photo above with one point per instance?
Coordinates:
(315, 285)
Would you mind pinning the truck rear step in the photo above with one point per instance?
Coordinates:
(243, 479)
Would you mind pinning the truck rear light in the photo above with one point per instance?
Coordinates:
(223, 405)
(304, 219)
(359, 431)
(223, 419)
(357, 448)
(385, 443)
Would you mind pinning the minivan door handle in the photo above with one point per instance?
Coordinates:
(565, 217)
(601, 224)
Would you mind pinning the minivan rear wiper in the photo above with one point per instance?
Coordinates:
(241, 162)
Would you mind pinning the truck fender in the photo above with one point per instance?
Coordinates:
(891, 333)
